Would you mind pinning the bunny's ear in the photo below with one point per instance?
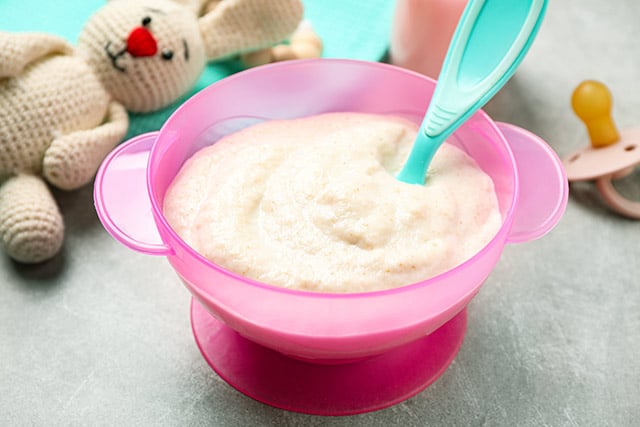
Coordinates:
(17, 50)
(239, 26)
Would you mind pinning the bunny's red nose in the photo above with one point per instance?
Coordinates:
(141, 43)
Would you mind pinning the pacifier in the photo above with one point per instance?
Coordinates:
(611, 155)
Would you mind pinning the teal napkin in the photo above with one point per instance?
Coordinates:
(348, 28)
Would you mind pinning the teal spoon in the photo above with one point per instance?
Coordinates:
(489, 43)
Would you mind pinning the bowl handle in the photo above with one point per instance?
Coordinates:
(543, 185)
(122, 200)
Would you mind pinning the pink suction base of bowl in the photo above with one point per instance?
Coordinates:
(277, 380)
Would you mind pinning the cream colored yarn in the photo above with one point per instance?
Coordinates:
(31, 226)
(52, 96)
(236, 26)
(62, 110)
(304, 43)
(148, 83)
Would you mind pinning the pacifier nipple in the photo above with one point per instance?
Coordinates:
(591, 101)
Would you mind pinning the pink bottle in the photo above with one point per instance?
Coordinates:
(421, 32)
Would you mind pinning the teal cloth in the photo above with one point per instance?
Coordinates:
(348, 28)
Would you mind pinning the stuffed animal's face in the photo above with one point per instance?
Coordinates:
(147, 53)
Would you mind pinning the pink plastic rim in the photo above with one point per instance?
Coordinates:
(354, 328)
(545, 207)
(107, 185)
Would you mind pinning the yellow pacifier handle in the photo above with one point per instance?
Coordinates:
(591, 101)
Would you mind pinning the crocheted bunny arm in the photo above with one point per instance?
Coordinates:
(72, 159)
(31, 227)
(17, 50)
(238, 26)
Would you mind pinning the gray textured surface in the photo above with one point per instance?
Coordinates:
(101, 334)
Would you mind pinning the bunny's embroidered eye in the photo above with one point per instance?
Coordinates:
(146, 21)
(167, 54)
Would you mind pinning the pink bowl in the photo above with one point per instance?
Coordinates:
(329, 328)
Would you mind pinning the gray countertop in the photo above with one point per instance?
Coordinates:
(101, 335)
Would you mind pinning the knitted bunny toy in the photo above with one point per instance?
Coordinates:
(62, 110)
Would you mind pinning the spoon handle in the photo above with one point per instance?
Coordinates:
(490, 41)
(423, 150)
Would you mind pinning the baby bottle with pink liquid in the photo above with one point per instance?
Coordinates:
(421, 32)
